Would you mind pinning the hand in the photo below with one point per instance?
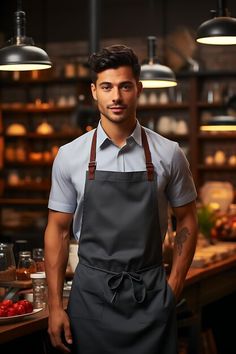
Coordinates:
(59, 328)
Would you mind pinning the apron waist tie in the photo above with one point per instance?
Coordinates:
(137, 285)
(116, 280)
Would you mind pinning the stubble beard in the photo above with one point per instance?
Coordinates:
(117, 119)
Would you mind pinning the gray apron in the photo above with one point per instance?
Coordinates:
(120, 302)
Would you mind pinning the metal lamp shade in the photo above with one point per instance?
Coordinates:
(23, 57)
(153, 74)
(218, 31)
(21, 54)
(157, 76)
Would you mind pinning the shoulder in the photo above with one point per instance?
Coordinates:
(77, 148)
(74, 154)
(78, 143)
(163, 146)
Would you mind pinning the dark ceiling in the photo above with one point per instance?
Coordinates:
(53, 20)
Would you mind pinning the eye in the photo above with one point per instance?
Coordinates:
(106, 87)
(127, 87)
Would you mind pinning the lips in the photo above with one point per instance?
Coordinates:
(117, 109)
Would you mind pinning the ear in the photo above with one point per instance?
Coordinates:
(140, 88)
(94, 91)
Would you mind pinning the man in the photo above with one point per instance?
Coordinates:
(116, 183)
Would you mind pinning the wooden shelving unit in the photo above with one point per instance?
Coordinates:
(30, 101)
(30, 193)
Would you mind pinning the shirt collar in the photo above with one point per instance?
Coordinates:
(102, 136)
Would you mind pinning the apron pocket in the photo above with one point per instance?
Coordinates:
(158, 306)
(86, 298)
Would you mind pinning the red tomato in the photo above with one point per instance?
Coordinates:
(3, 311)
(20, 309)
(7, 303)
(27, 305)
(11, 311)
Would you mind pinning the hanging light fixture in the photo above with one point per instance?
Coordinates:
(21, 54)
(221, 30)
(153, 74)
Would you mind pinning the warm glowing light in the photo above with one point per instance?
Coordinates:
(218, 128)
(24, 67)
(220, 40)
(158, 83)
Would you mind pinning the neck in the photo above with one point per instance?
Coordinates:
(118, 132)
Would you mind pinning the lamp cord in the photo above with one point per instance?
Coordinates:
(222, 8)
(19, 5)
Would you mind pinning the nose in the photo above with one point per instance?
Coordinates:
(116, 96)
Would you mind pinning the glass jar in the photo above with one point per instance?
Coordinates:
(38, 257)
(7, 262)
(26, 266)
(39, 289)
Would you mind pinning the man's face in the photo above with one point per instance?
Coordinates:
(116, 92)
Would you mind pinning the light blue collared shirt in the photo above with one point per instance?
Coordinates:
(174, 180)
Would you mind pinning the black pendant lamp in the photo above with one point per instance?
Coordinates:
(221, 30)
(153, 74)
(21, 54)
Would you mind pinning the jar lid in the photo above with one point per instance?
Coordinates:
(38, 275)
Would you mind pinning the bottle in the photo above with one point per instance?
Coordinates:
(26, 266)
(38, 257)
(39, 289)
(7, 262)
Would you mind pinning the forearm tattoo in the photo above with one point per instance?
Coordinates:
(180, 238)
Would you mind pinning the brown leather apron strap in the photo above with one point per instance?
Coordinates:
(92, 162)
(149, 164)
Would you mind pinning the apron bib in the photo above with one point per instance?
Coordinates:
(120, 302)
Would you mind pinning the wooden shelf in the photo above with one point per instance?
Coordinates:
(31, 108)
(44, 186)
(210, 105)
(23, 201)
(44, 81)
(217, 168)
(177, 137)
(36, 136)
(28, 163)
(8, 229)
(217, 136)
(171, 105)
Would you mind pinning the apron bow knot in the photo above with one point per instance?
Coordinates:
(115, 283)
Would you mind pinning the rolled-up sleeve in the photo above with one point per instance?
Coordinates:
(62, 194)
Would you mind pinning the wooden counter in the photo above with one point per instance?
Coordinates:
(211, 283)
(203, 286)
(28, 325)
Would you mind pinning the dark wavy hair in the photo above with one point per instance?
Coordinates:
(112, 58)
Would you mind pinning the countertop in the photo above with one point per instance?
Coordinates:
(220, 273)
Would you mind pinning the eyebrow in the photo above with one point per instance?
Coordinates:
(105, 83)
(121, 83)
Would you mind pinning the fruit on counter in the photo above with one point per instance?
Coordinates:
(225, 227)
(9, 308)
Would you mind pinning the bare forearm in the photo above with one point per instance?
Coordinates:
(184, 248)
(56, 257)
